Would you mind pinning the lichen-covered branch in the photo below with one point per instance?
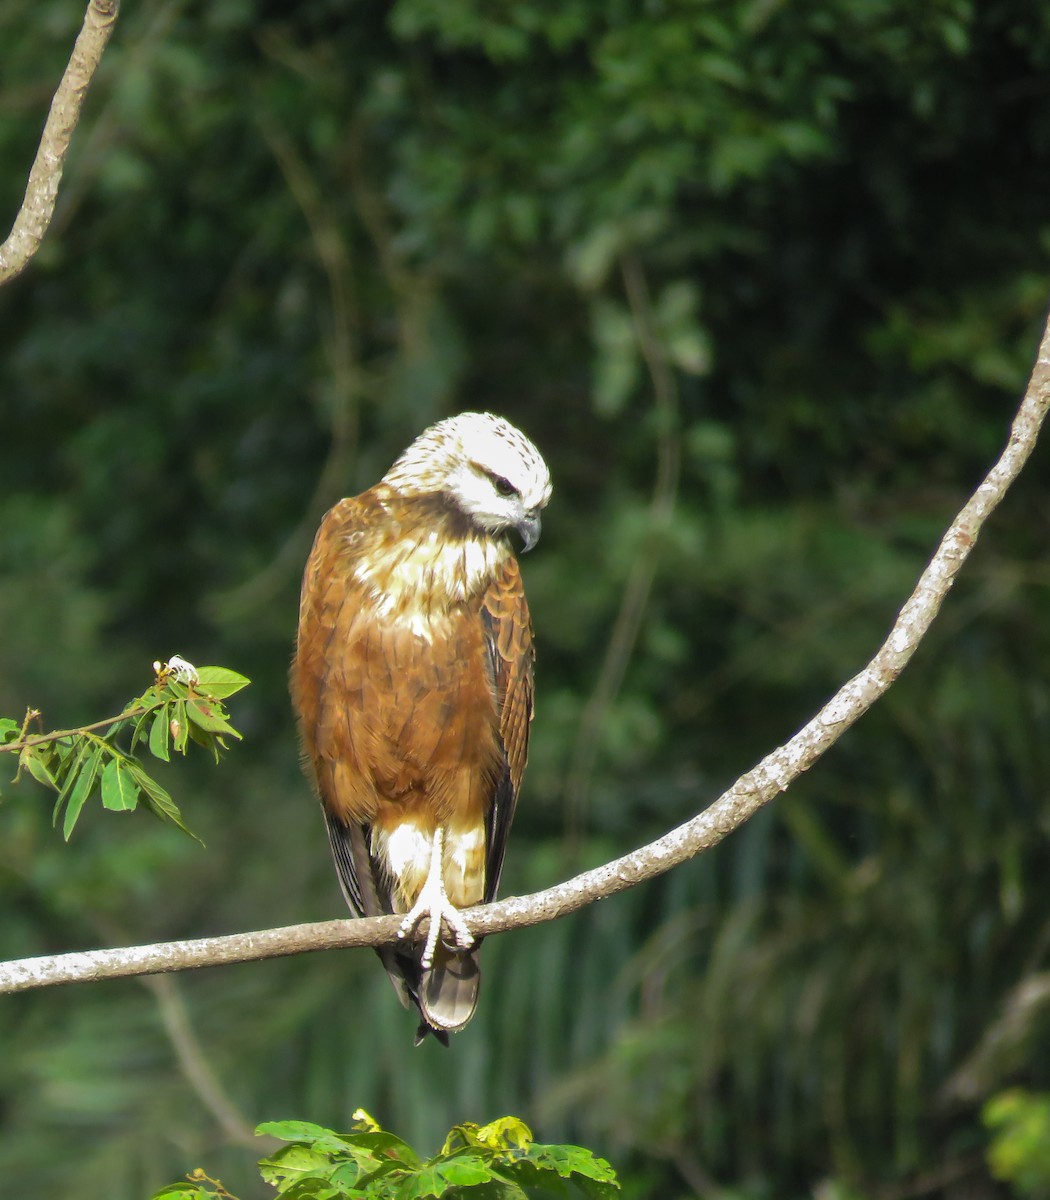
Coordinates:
(753, 790)
(38, 206)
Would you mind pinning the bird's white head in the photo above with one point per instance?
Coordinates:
(485, 466)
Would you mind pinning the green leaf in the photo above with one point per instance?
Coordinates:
(36, 759)
(160, 734)
(616, 362)
(86, 778)
(68, 747)
(119, 791)
(366, 1176)
(294, 1162)
(465, 1170)
(219, 682)
(174, 687)
(9, 730)
(67, 771)
(380, 1143)
(505, 1133)
(427, 1181)
(303, 1131)
(209, 741)
(179, 725)
(574, 1160)
(209, 716)
(140, 723)
(1019, 1121)
(158, 801)
(591, 259)
(437, 1178)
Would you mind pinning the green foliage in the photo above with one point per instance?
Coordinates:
(184, 704)
(498, 1160)
(1019, 1154)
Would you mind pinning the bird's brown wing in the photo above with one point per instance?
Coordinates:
(320, 600)
(509, 643)
(322, 615)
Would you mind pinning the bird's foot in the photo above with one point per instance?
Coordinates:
(433, 902)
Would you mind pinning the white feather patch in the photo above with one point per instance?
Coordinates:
(428, 575)
(461, 848)
(406, 849)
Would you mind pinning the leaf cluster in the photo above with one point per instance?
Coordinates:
(497, 1161)
(183, 705)
(1019, 1154)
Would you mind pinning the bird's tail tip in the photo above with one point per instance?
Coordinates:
(448, 992)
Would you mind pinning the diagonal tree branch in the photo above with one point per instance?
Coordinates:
(750, 793)
(42, 190)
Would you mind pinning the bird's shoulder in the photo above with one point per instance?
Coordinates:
(351, 525)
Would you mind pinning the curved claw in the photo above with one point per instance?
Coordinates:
(433, 902)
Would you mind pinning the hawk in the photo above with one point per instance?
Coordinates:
(412, 682)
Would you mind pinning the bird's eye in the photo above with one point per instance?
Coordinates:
(504, 486)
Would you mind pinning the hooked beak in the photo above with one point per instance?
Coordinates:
(529, 528)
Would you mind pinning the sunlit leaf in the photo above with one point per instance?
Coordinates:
(87, 773)
(157, 799)
(69, 774)
(210, 717)
(160, 734)
(179, 726)
(293, 1162)
(219, 682)
(120, 793)
(303, 1131)
(139, 731)
(36, 760)
(572, 1160)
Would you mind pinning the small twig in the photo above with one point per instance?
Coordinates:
(750, 793)
(1002, 1044)
(38, 206)
(189, 1053)
(197, 1175)
(56, 735)
(628, 624)
(330, 247)
(109, 123)
(936, 1180)
(194, 1063)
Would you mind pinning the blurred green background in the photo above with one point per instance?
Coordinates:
(764, 281)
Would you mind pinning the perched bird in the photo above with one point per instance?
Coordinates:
(412, 682)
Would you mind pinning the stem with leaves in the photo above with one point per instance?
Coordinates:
(183, 704)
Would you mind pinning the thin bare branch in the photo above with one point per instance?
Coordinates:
(635, 600)
(332, 250)
(38, 206)
(750, 793)
(194, 1064)
(56, 735)
(1002, 1046)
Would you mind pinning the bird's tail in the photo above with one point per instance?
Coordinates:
(448, 990)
